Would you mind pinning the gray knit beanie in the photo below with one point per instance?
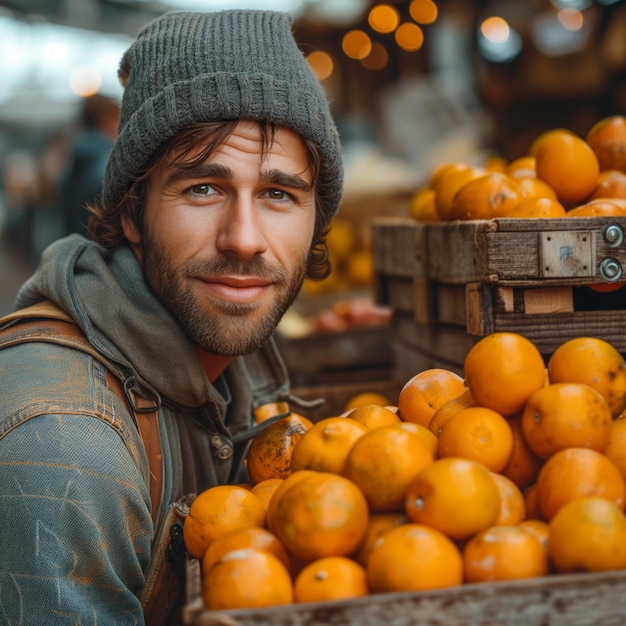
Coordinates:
(188, 67)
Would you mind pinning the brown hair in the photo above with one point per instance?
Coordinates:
(105, 223)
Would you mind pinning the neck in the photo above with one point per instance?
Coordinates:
(212, 364)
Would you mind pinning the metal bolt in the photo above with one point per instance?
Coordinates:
(610, 269)
(613, 235)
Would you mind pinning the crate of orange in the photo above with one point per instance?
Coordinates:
(535, 246)
(493, 498)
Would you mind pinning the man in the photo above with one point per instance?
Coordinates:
(216, 201)
(81, 183)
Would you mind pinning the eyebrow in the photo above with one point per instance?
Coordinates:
(215, 170)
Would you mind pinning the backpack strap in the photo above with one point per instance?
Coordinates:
(46, 322)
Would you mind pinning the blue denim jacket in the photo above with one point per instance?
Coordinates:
(77, 539)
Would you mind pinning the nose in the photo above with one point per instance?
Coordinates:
(241, 231)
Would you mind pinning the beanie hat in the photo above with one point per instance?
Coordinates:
(188, 67)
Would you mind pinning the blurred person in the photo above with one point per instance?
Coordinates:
(216, 203)
(81, 183)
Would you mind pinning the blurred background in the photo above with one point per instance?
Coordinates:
(412, 84)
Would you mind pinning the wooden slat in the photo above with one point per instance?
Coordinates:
(556, 600)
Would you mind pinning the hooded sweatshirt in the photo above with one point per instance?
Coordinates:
(78, 539)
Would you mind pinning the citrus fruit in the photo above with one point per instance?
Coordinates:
(504, 553)
(414, 557)
(330, 578)
(321, 514)
(566, 415)
(458, 497)
(502, 370)
(383, 462)
(594, 362)
(588, 534)
(577, 473)
(219, 510)
(427, 391)
(246, 578)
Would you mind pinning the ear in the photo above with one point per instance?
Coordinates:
(131, 232)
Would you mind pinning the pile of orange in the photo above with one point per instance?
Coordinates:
(562, 175)
(515, 470)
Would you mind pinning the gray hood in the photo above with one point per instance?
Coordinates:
(105, 293)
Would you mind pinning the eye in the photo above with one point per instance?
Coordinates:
(278, 194)
(203, 189)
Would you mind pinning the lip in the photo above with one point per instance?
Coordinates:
(238, 289)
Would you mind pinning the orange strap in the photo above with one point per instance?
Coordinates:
(48, 323)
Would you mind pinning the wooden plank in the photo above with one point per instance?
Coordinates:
(445, 344)
(395, 247)
(548, 300)
(330, 399)
(450, 305)
(557, 600)
(479, 309)
(551, 330)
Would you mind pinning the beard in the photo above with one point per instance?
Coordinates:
(218, 326)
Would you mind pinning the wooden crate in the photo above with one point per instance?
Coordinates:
(451, 283)
(556, 600)
(351, 356)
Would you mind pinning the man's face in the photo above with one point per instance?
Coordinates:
(225, 246)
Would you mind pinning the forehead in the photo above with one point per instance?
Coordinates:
(243, 138)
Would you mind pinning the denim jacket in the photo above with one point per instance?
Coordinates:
(78, 544)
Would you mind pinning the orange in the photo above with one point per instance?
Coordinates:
(522, 167)
(594, 362)
(504, 553)
(611, 184)
(374, 416)
(502, 370)
(535, 188)
(443, 170)
(537, 207)
(428, 438)
(458, 497)
(427, 391)
(567, 163)
(322, 514)
(495, 163)
(512, 503)
(576, 473)
(616, 448)
(325, 446)
(253, 537)
(537, 527)
(422, 205)
(377, 525)
(492, 195)
(269, 455)
(523, 465)
(219, 510)
(443, 414)
(330, 578)
(414, 557)
(534, 146)
(566, 415)
(246, 578)
(265, 489)
(478, 434)
(448, 183)
(271, 409)
(286, 484)
(366, 397)
(600, 207)
(531, 499)
(607, 139)
(588, 534)
(383, 462)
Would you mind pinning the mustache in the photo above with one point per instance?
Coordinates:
(254, 266)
